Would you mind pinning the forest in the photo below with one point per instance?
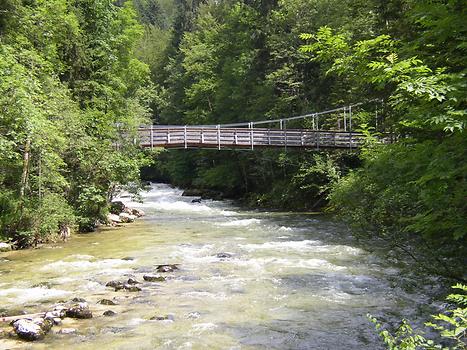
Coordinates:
(77, 78)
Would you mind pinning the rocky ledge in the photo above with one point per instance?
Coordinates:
(120, 213)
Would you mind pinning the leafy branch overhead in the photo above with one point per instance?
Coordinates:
(420, 96)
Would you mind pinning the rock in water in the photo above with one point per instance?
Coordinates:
(109, 313)
(113, 219)
(32, 330)
(107, 302)
(132, 281)
(125, 217)
(4, 247)
(78, 300)
(128, 287)
(80, 310)
(67, 331)
(138, 212)
(163, 318)
(154, 278)
(114, 284)
(224, 255)
(166, 268)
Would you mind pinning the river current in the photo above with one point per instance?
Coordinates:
(288, 281)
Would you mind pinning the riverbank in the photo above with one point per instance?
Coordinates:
(245, 279)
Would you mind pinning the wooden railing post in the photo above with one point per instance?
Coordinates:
(219, 137)
(345, 120)
(250, 125)
(151, 135)
(285, 134)
(350, 127)
(184, 137)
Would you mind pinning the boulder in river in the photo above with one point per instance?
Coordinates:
(224, 255)
(132, 281)
(78, 300)
(167, 268)
(114, 284)
(163, 318)
(113, 219)
(125, 217)
(137, 212)
(80, 310)
(32, 329)
(109, 313)
(153, 278)
(107, 302)
(117, 207)
(128, 287)
(4, 247)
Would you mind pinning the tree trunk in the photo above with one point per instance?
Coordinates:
(25, 173)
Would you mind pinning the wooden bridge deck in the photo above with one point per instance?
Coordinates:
(245, 138)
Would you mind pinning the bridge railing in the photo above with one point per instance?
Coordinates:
(209, 137)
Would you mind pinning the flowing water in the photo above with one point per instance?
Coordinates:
(292, 282)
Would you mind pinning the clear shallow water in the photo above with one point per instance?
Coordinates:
(293, 281)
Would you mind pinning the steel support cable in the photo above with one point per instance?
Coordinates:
(246, 124)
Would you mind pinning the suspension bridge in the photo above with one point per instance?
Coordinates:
(323, 133)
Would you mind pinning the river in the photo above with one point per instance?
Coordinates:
(293, 281)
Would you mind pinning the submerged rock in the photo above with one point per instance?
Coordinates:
(114, 284)
(32, 329)
(163, 318)
(107, 302)
(132, 281)
(167, 268)
(128, 287)
(67, 331)
(224, 255)
(78, 300)
(128, 258)
(154, 278)
(80, 310)
(193, 315)
(109, 313)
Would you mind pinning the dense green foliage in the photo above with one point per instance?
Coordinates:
(451, 325)
(237, 61)
(71, 89)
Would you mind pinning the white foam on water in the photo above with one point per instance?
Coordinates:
(136, 321)
(287, 245)
(203, 327)
(262, 264)
(204, 295)
(164, 198)
(27, 295)
(102, 266)
(81, 257)
(240, 223)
